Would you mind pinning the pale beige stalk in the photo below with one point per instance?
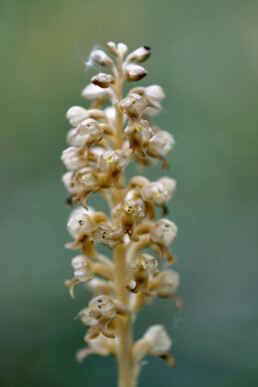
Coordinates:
(124, 324)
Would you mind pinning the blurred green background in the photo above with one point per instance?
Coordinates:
(205, 56)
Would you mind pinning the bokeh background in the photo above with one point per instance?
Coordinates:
(205, 56)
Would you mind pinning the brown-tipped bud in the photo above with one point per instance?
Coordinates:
(102, 80)
(135, 73)
(141, 54)
(111, 46)
(101, 58)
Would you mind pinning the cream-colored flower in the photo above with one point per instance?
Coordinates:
(170, 185)
(72, 159)
(101, 345)
(111, 159)
(166, 283)
(76, 114)
(85, 317)
(79, 221)
(153, 94)
(88, 178)
(164, 231)
(82, 266)
(72, 186)
(162, 143)
(133, 105)
(90, 127)
(76, 139)
(92, 92)
(156, 193)
(102, 306)
(158, 339)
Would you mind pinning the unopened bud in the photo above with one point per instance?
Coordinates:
(140, 54)
(135, 73)
(102, 80)
(122, 49)
(111, 46)
(101, 58)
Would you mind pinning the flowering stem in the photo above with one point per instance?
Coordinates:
(124, 324)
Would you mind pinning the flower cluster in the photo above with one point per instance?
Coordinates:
(103, 140)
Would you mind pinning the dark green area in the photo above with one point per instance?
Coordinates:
(205, 56)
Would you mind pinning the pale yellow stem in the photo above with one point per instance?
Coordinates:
(123, 323)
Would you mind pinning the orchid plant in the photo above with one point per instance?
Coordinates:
(103, 140)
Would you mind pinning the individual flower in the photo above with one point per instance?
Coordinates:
(94, 133)
(72, 159)
(160, 145)
(139, 133)
(142, 269)
(86, 227)
(155, 342)
(72, 186)
(165, 285)
(153, 194)
(84, 271)
(153, 95)
(127, 214)
(133, 105)
(90, 181)
(163, 234)
(101, 345)
(170, 186)
(104, 310)
(93, 92)
(112, 163)
(77, 114)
